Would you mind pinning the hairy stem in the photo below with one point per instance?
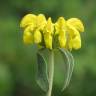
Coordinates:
(51, 73)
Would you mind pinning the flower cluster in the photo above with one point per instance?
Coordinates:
(63, 33)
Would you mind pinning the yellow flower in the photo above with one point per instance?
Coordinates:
(32, 25)
(74, 25)
(44, 33)
(31, 36)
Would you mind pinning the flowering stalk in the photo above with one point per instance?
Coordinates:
(51, 73)
(63, 35)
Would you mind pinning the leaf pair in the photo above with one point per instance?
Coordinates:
(42, 72)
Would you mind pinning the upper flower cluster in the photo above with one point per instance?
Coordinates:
(63, 33)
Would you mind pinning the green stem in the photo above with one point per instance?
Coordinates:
(51, 73)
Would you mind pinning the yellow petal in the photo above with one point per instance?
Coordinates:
(29, 19)
(37, 37)
(48, 40)
(76, 23)
(72, 31)
(27, 36)
(70, 44)
(62, 40)
(49, 28)
(76, 42)
(60, 25)
(41, 21)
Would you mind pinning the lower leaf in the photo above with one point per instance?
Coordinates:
(69, 66)
(42, 77)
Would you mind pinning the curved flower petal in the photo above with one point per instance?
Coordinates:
(70, 44)
(49, 28)
(29, 19)
(48, 40)
(72, 31)
(37, 37)
(76, 23)
(27, 36)
(41, 21)
(62, 40)
(60, 25)
(76, 42)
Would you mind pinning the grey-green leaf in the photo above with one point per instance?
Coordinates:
(69, 66)
(42, 76)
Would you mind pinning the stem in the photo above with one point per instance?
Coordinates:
(51, 73)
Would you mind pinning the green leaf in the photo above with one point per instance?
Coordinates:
(68, 58)
(42, 76)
